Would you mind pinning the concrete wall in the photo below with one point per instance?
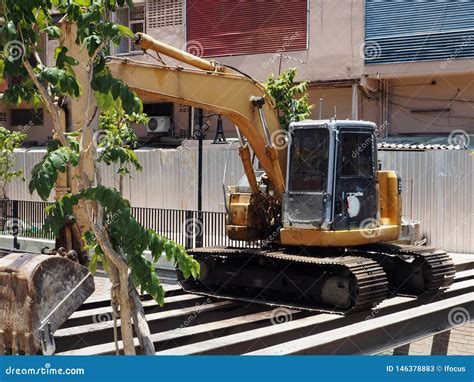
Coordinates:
(335, 35)
(335, 56)
(412, 98)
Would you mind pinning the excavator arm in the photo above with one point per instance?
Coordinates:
(215, 88)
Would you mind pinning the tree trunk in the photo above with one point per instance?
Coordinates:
(126, 313)
(140, 323)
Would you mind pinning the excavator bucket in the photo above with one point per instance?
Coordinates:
(37, 295)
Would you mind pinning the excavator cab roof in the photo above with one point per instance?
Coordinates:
(333, 123)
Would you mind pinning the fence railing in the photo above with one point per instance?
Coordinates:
(20, 218)
(190, 228)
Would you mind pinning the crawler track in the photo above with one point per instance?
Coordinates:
(412, 271)
(339, 284)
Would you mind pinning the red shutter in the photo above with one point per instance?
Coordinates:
(234, 27)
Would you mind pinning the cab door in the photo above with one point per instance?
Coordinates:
(356, 182)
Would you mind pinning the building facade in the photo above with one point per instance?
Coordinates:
(408, 66)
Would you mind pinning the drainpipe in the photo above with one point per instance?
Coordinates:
(200, 126)
(355, 101)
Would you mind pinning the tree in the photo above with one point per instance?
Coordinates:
(291, 99)
(80, 85)
(9, 141)
(117, 140)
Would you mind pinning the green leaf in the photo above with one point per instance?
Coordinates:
(125, 31)
(45, 173)
(105, 101)
(93, 263)
(52, 31)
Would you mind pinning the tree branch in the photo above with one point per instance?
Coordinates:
(48, 104)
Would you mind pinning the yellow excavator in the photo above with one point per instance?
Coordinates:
(324, 214)
(322, 211)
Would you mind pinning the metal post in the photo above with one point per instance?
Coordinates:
(188, 239)
(402, 350)
(440, 343)
(190, 122)
(320, 109)
(198, 230)
(15, 221)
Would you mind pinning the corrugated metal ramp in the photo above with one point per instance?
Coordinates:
(190, 324)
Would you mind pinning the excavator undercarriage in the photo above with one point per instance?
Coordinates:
(336, 280)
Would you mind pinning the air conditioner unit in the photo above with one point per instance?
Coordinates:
(159, 125)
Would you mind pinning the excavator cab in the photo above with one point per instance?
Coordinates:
(332, 186)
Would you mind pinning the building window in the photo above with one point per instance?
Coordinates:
(135, 20)
(158, 109)
(23, 117)
(164, 13)
(411, 31)
(229, 27)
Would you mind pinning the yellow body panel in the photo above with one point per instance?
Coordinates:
(390, 201)
(320, 238)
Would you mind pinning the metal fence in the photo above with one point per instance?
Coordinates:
(20, 218)
(189, 228)
(25, 219)
(437, 186)
(438, 190)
